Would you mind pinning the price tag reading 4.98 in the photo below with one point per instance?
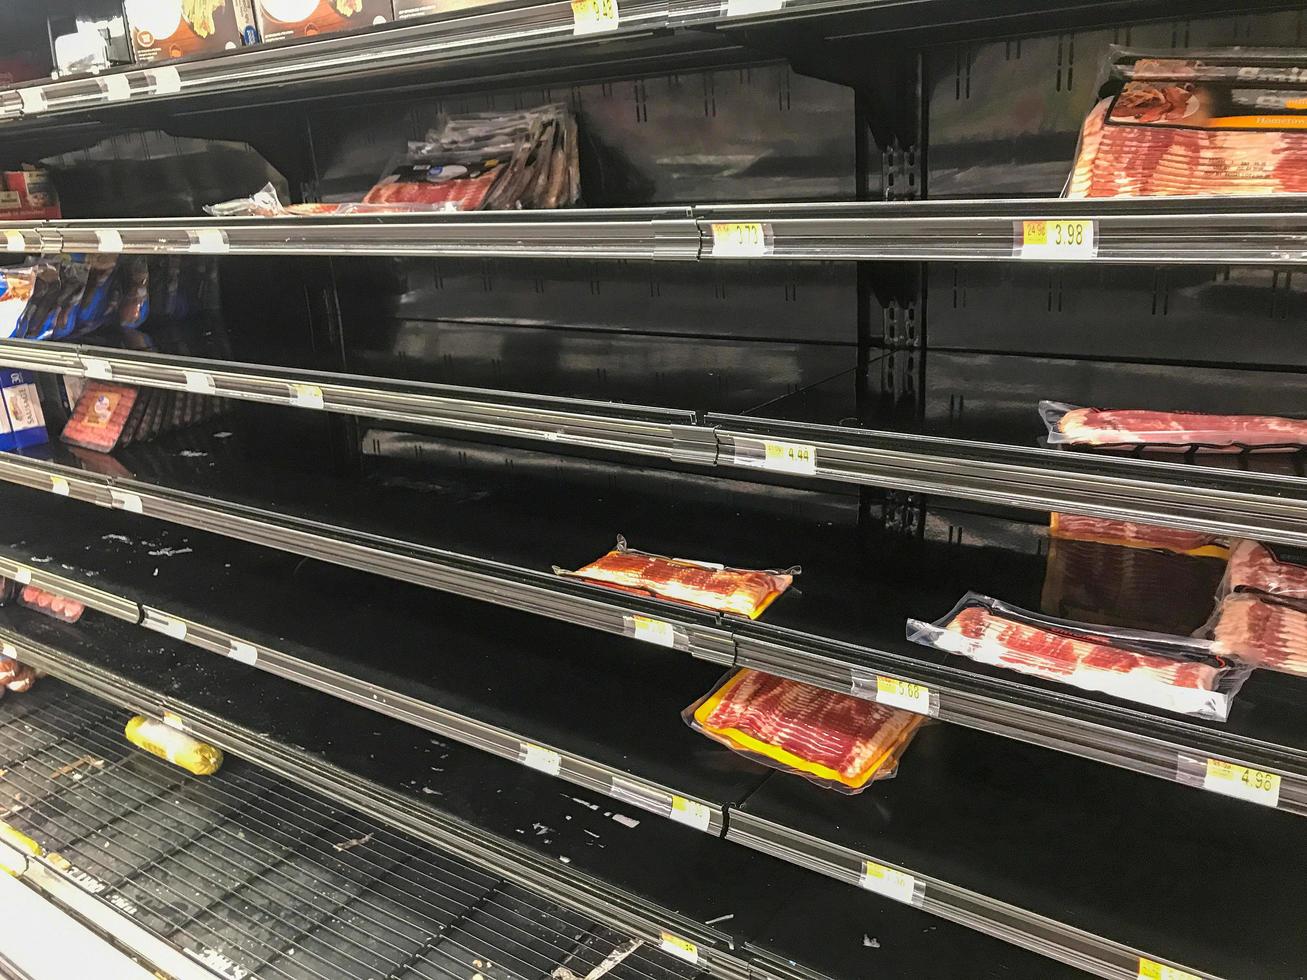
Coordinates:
(1068, 238)
(594, 16)
(1252, 785)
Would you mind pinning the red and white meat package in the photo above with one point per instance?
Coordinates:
(1131, 428)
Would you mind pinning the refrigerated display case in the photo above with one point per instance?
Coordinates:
(801, 319)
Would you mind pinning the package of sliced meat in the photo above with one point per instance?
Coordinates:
(1134, 534)
(49, 604)
(1177, 673)
(835, 740)
(15, 676)
(1254, 567)
(16, 287)
(741, 591)
(1262, 630)
(1135, 428)
(1227, 122)
(98, 419)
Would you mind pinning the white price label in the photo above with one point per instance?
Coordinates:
(109, 240)
(898, 885)
(653, 631)
(1066, 238)
(174, 720)
(789, 457)
(200, 382)
(32, 98)
(903, 694)
(594, 16)
(1241, 782)
(23, 576)
(682, 949)
(123, 500)
(60, 486)
(117, 88)
(165, 80)
(14, 241)
(165, 624)
(244, 652)
(740, 239)
(1152, 970)
(97, 367)
(742, 8)
(541, 759)
(691, 813)
(209, 241)
(9, 650)
(306, 396)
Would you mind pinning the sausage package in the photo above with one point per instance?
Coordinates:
(100, 415)
(837, 741)
(1228, 121)
(1134, 534)
(1177, 673)
(15, 676)
(49, 604)
(1131, 428)
(744, 592)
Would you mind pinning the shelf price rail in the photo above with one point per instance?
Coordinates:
(1166, 748)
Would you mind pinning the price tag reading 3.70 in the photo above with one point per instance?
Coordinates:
(740, 239)
(1053, 240)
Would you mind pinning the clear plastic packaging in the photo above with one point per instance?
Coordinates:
(1134, 534)
(15, 676)
(49, 604)
(1262, 630)
(265, 203)
(1073, 425)
(1253, 567)
(837, 741)
(16, 287)
(742, 591)
(1177, 673)
(1225, 121)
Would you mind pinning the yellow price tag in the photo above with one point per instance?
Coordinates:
(898, 885)
(789, 457)
(1065, 238)
(691, 813)
(1152, 970)
(1241, 782)
(740, 238)
(903, 694)
(306, 396)
(594, 16)
(60, 486)
(653, 631)
(680, 948)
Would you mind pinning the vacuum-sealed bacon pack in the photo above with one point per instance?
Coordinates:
(742, 591)
(1262, 613)
(837, 741)
(1128, 428)
(1135, 534)
(1177, 673)
(1227, 122)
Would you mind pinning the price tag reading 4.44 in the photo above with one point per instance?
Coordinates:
(1066, 238)
(903, 694)
(1241, 782)
(789, 457)
(594, 16)
(740, 239)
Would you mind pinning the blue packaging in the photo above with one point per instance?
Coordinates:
(23, 422)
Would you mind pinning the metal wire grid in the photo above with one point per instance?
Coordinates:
(258, 877)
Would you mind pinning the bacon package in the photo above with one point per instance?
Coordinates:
(1177, 673)
(1253, 567)
(1071, 425)
(1204, 122)
(1263, 631)
(1134, 534)
(834, 740)
(744, 592)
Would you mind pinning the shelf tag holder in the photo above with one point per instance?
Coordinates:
(891, 883)
(540, 759)
(774, 455)
(1152, 970)
(649, 630)
(682, 949)
(1055, 239)
(741, 239)
(594, 17)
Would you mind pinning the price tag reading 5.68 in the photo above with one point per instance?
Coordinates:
(1067, 238)
(594, 16)
(1252, 785)
(903, 694)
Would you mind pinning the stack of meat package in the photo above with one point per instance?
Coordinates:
(1262, 613)
(1222, 122)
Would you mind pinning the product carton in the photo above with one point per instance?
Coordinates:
(408, 9)
(22, 423)
(281, 19)
(28, 195)
(162, 29)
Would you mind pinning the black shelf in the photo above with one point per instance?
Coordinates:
(981, 819)
(388, 769)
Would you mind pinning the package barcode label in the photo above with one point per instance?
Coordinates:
(898, 885)
(1152, 970)
(741, 239)
(306, 396)
(1242, 782)
(653, 631)
(691, 813)
(594, 16)
(903, 694)
(540, 758)
(14, 241)
(682, 949)
(60, 486)
(1066, 238)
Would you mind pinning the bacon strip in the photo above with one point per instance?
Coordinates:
(1263, 632)
(1124, 427)
(1133, 534)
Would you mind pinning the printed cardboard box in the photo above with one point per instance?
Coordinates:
(162, 29)
(407, 9)
(281, 19)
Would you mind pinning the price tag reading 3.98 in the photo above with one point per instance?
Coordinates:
(1067, 238)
